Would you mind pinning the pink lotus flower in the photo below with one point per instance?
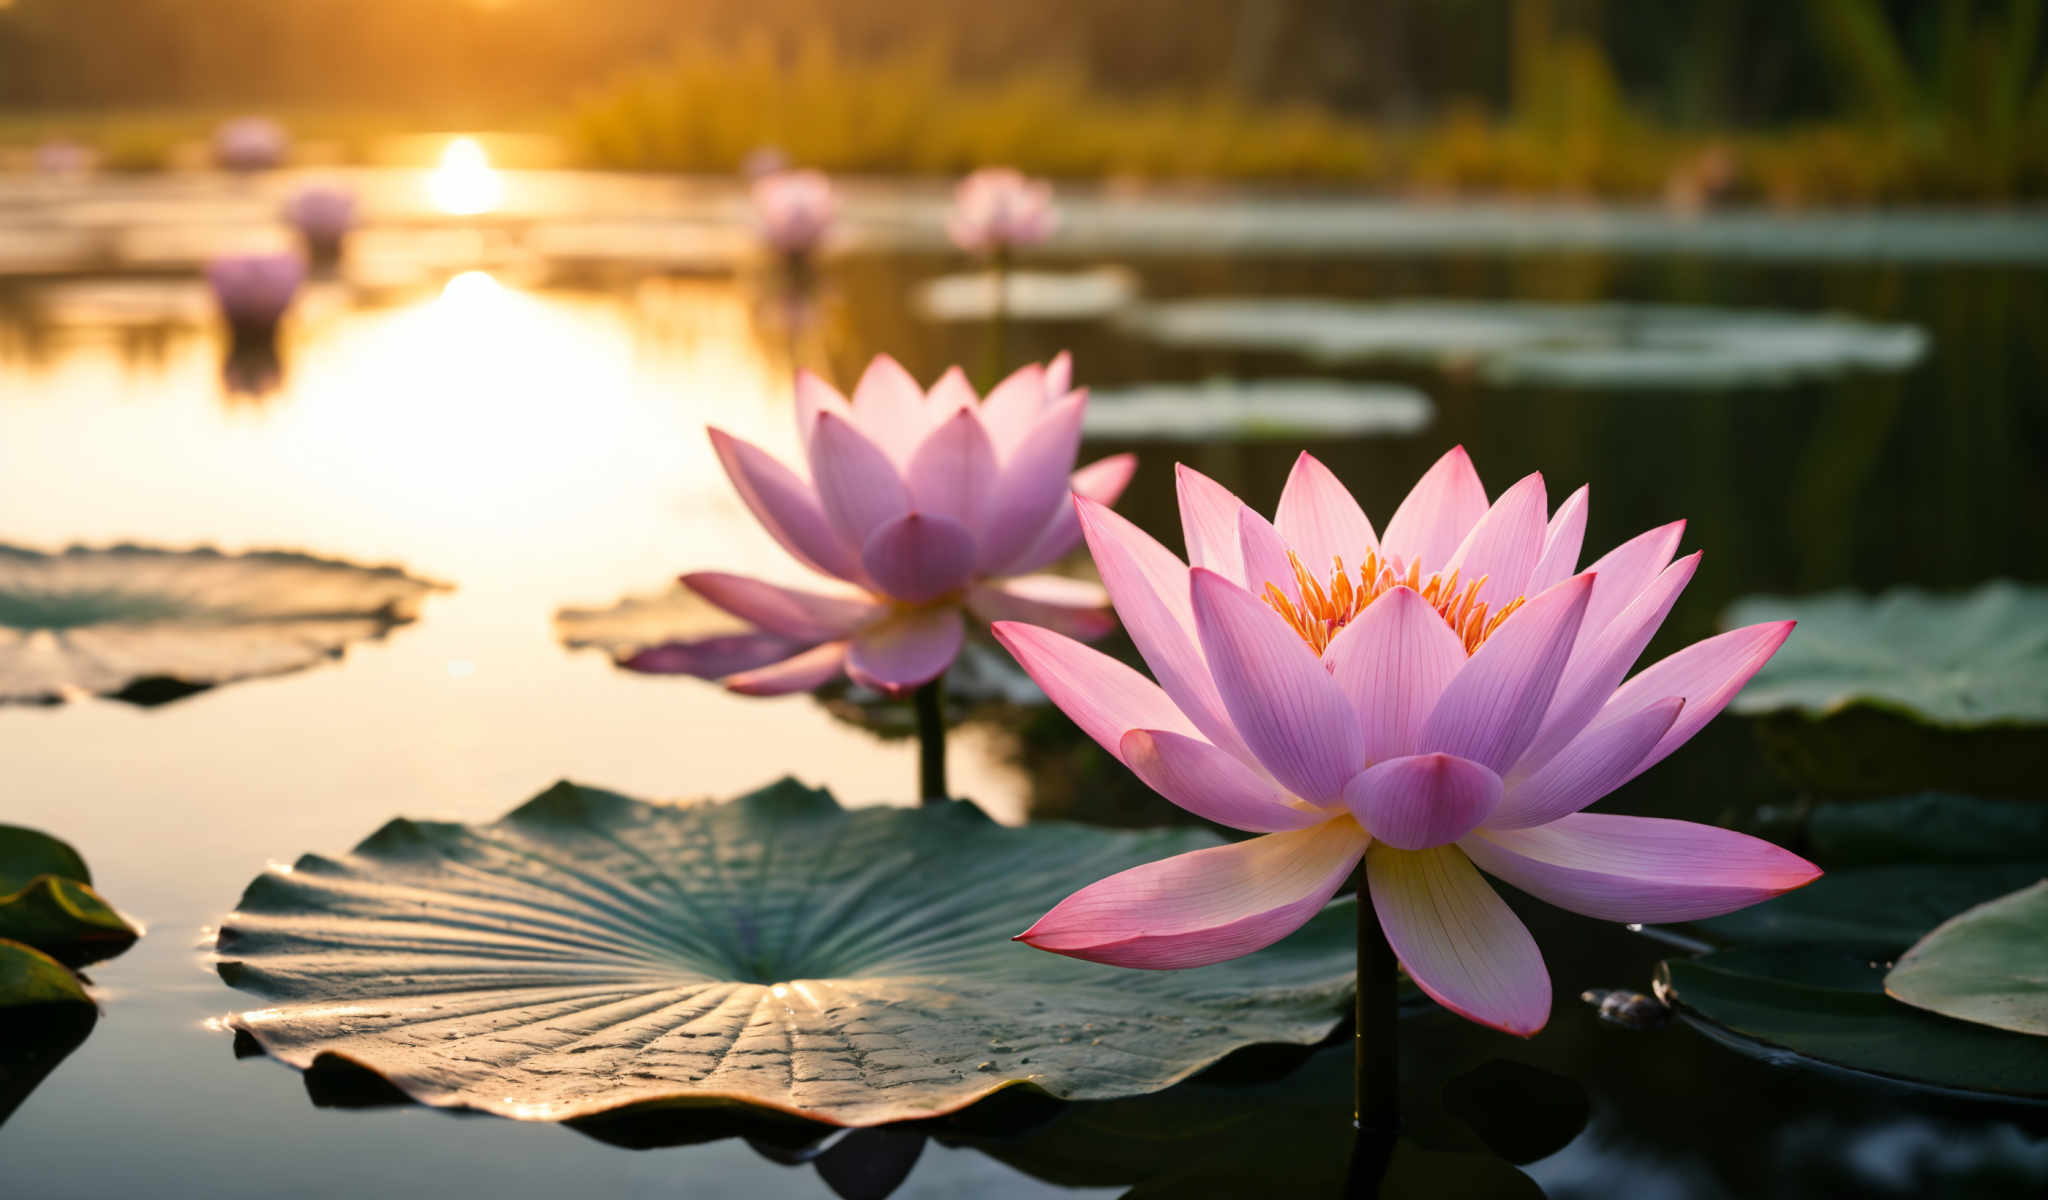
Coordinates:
(930, 505)
(1439, 700)
(250, 144)
(996, 208)
(794, 209)
(322, 213)
(254, 290)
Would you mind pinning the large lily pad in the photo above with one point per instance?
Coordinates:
(1988, 965)
(590, 952)
(1617, 346)
(1963, 661)
(1928, 827)
(1876, 912)
(44, 1016)
(1262, 409)
(1028, 295)
(47, 901)
(677, 632)
(1829, 1007)
(148, 625)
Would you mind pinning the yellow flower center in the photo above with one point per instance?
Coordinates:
(1326, 608)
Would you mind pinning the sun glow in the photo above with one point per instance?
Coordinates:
(465, 184)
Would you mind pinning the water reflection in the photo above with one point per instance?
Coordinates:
(465, 184)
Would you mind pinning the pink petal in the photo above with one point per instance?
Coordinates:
(888, 406)
(812, 669)
(1626, 570)
(1264, 555)
(1393, 662)
(1206, 906)
(1101, 695)
(713, 657)
(809, 616)
(1059, 375)
(1015, 405)
(857, 484)
(787, 507)
(1707, 674)
(954, 469)
(1212, 783)
(1562, 540)
(1457, 938)
(906, 651)
(1208, 521)
(1149, 587)
(1075, 607)
(1600, 660)
(1503, 548)
(1423, 800)
(1594, 764)
(1438, 512)
(951, 393)
(813, 396)
(1639, 868)
(1286, 707)
(1320, 520)
(1492, 709)
(1101, 481)
(1033, 483)
(919, 557)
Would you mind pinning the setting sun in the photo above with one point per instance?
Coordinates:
(465, 184)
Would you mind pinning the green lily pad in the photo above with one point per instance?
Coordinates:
(1928, 827)
(1872, 912)
(47, 901)
(1988, 965)
(30, 977)
(44, 1016)
(1962, 661)
(1264, 409)
(148, 625)
(590, 952)
(1829, 1007)
(1088, 295)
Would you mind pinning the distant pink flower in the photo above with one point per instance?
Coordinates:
(254, 290)
(322, 213)
(1440, 700)
(794, 209)
(60, 156)
(250, 144)
(996, 208)
(931, 505)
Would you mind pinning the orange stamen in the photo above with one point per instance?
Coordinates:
(1326, 608)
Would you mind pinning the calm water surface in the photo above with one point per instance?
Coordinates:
(534, 437)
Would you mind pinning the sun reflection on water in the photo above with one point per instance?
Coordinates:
(465, 184)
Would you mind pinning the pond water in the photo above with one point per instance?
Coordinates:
(517, 409)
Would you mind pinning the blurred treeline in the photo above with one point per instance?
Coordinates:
(1794, 101)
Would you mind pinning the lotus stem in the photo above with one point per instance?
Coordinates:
(1376, 1067)
(931, 742)
(999, 319)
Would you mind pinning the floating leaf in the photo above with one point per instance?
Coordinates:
(30, 977)
(44, 1016)
(1928, 827)
(590, 952)
(46, 901)
(1563, 345)
(1873, 912)
(1988, 965)
(1259, 409)
(1962, 661)
(1830, 1007)
(1028, 295)
(150, 625)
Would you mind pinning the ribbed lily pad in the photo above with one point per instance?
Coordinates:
(1520, 343)
(1028, 295)
(149, 625)
(589, 952)
(1928, 827)
(1830, 1007)
(1967, 660)
(677, 632)
(1875, 912)
(1988, 965)
(1258, 409)
(47, 901)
